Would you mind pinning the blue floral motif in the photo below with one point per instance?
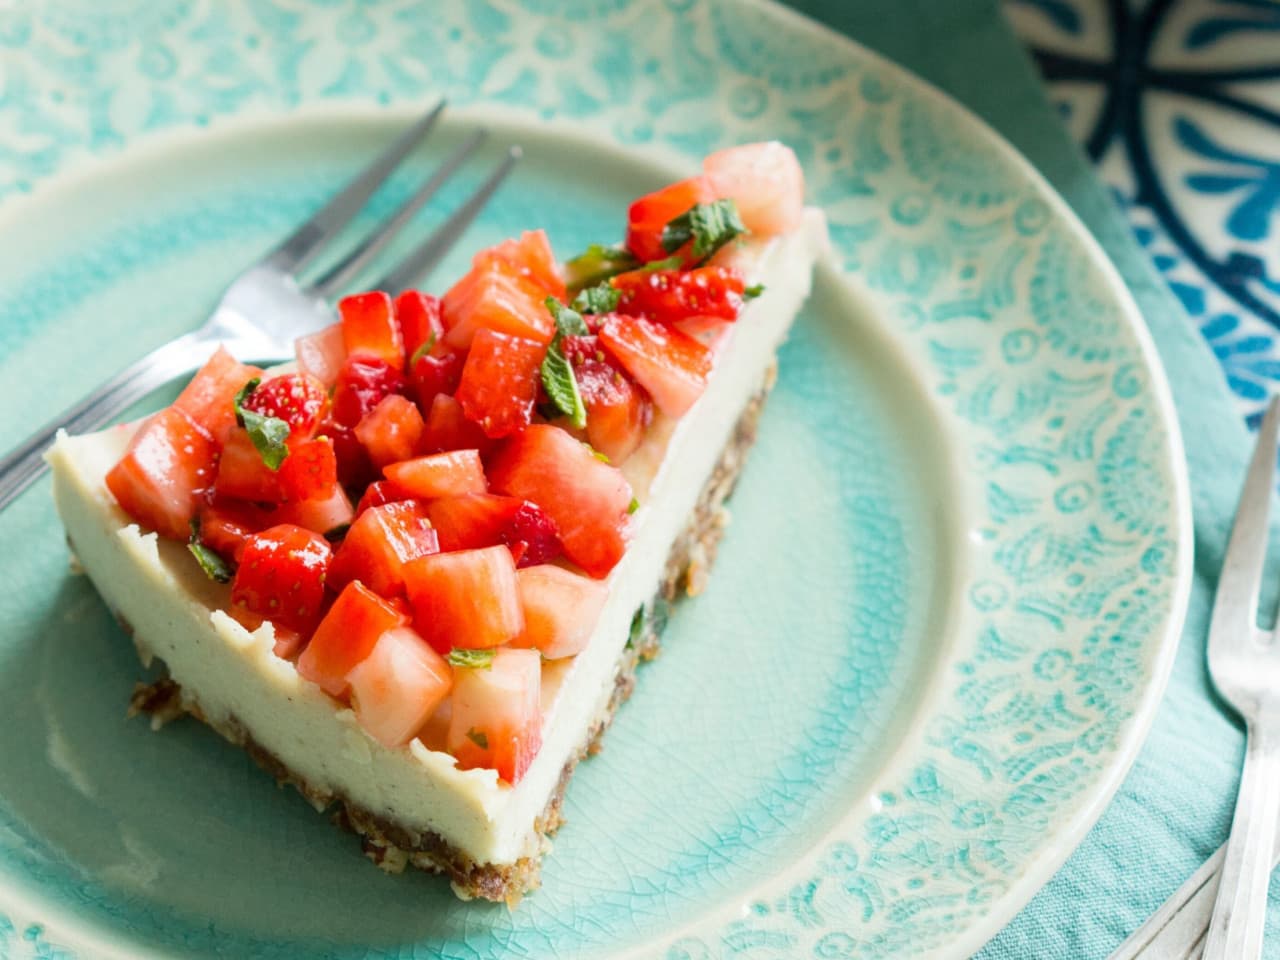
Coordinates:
(1260, 190)
(1233, 16)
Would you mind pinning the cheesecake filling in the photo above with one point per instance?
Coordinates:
(176, 613)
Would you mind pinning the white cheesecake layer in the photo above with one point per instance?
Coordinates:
(175, 612)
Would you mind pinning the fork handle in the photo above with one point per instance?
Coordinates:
(1239, 913)
(24, 464)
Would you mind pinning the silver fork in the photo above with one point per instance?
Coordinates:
(1244, 661)
(267, 306)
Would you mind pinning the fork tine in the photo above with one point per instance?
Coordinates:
(1235, 607)
(305, 242)
(346, 268)
(422, 259)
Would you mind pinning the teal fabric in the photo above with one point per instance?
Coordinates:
(1174, 808)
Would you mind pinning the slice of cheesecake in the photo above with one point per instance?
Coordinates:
(438, 664)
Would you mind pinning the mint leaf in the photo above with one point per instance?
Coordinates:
(423, 349)
(633, 506)
(473, 659)
(709, 225)
(597, 264)
(479, 738)
(561, 385)
(670, 263)
(214, 567)
(569, 322)
(267, 433)
(602, 298)
(753, 291)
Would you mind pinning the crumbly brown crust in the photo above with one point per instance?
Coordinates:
(392, 846)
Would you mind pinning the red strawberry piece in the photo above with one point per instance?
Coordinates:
(309, 471)
(381, 492)
(418, 316)
(391, 431)
(296, 398)
(672, 367)
(168, 465)
(346, 636)
(493, 297)
(362, 384)
(209, 398)
(448, 474)
(435, 373)
(448, 428)
(281, 576)
(242, 474)
(466, 599)
(500, 382)
(378, 545)
(320, 354)
(369, 328)
(496, 717)
(671, 296)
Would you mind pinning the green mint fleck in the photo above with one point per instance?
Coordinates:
(558, 378)
(267, 433)
(753, 291)
(423, 349)
(602, 457)
(214, 567)
(597, 264)
(633, 506)
(472, 659)
(602, 298)
(479, 738)
(709, 225)
(637, 628)
(670, 263)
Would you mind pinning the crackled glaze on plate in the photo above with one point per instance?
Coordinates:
(941, 618)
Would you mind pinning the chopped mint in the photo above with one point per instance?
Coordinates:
(473, 659)
(633, 506)
(479, 738)
(267, 433)
(558, 378)
(637, 628)
(753, 291)
(597, 264)
(423, 349)
(602, 298)
(602, 457)
(709, 225)
(214, 567)
(670, 263)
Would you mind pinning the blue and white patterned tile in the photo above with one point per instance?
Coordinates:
(1178, 104)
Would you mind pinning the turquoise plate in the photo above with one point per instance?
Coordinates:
(941, 619)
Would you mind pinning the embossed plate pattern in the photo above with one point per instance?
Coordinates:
(941, 619)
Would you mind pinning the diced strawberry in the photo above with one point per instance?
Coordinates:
(673, 368)
(560, 610)
(467, 599)
(766, 182)
(346, 635)
(296, 398)
(448, 474)
(649, 215)
(209, 398)
(381, 492)
(158, 481)
(321, 354)
(287, 641)
(369, 328)
(493, 299)
(529, 256)
(418, 316)
(585, 497)
(309, 471)
(379, 543)
(324, 514)
(398, 686)
(708, 331)
(435, 373)
(670, 296)
(449, 429)
(361, 385)
(391, 431)
(618, 410)
(354, 469)
(496, 714)
(486, 520)
(243, 474)
(281, 576)
(226, 525)
(500, 382)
